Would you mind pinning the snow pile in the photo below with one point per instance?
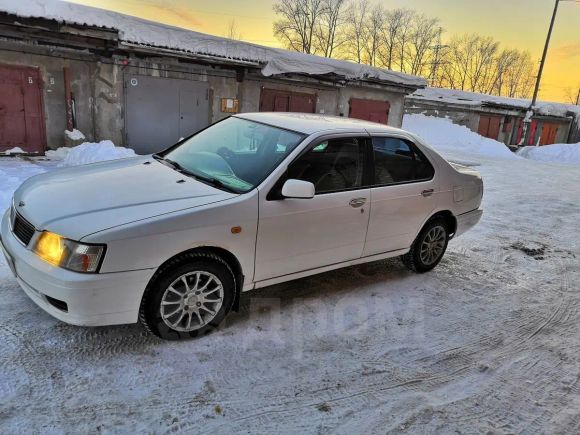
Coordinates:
(89, 152)
(15, 150)
(442, 134)
(134, 30)
(563, 153)
(75, 134)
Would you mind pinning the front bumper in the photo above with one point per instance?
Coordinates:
(91, 299)
(467, 221)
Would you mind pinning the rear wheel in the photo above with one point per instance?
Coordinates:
(189, 297)
(428, 248)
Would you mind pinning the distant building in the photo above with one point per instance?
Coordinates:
(144, 85)
(499, 118)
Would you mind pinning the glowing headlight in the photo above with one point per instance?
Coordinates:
(67, 254)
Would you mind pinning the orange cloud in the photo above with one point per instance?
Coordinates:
(567, 51)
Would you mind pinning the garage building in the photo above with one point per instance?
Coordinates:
(499, 118)
(145, 85)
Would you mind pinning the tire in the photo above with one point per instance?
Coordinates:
(420, 262)
(198, 288)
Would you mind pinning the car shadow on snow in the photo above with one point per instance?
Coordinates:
(384, 278)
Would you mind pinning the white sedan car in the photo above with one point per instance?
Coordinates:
(257, 199)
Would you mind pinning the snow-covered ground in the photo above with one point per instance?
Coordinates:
(488, 342)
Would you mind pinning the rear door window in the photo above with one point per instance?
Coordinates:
(399, 161)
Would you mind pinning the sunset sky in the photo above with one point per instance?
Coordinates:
(519, 24)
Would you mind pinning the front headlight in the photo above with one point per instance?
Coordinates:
(68, 254)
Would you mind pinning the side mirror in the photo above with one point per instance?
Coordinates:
(298, 189)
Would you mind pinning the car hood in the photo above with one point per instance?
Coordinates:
(83, 200)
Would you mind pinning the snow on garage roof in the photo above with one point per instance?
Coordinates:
(134, 30)
(475, 99)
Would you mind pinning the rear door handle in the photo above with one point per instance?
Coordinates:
(427, 192)
(357, 202)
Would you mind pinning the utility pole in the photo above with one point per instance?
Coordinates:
(435, 64)
(578, 97)
(530, 113)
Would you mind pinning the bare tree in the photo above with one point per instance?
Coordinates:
(355, 31)
(518, 79)
(232, 30)
(298, 22)
(572, 95)
(329, 35)
(403, 37)
(373, 33)
(394, 22)
(422, 41)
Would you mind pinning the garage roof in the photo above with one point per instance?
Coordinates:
(272, 61)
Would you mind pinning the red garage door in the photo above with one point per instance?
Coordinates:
(21, 117)
(549, 132)
(489, 126)
(369, 110)
(273, 100)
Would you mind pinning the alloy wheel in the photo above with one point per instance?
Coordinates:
(433, 245)
(192, 301)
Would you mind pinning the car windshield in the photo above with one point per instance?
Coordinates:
(234, 154)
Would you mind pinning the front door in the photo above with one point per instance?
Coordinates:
(403, 195)
(295, 235)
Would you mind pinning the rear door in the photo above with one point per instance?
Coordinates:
(403, 194)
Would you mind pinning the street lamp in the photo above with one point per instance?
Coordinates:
(530, 112)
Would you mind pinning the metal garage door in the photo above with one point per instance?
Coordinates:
(549, 132)
(274, 100)
(159, 111)
(489, 126)
(21, 114)
(369, 110)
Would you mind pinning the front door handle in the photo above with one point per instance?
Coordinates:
(427, 192)
(357, 202)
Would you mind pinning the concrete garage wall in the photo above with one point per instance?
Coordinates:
(51, 71)
(396, 99)
(98, 88)
(326, 101)
(459, 117)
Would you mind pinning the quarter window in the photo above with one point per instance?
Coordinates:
(332, 165)
(399, 161)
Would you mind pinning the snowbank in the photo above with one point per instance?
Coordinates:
(75, 134)
(15, 150)
(563, 153)
(89, 152)
(442, 134)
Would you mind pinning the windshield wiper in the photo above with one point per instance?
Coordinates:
(214, 182)
(173, 164)
(208, 180)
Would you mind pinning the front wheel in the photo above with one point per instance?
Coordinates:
(428, 248)
(189, 297)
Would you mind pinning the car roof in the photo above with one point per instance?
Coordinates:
(309, 123)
